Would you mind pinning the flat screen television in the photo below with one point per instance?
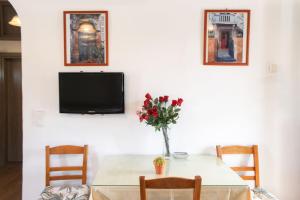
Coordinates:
(91, 92)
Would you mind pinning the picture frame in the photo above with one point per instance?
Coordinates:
(86, 38)
(226, 37)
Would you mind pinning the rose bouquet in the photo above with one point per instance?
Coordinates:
(160, 113)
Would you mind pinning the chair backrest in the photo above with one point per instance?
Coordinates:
(247, 150)
(62, 150)
(171, 183)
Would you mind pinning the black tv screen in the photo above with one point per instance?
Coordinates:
(91, 92)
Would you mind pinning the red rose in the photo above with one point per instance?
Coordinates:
(146, 103)
(155, 114)
(146, 117)
(141, 118)
(148, 96)
(179, 101)
(149, 112)
(154, 109)
(174, 103)
(166, 98)
(161, 99)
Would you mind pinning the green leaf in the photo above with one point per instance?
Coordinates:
(177, 109)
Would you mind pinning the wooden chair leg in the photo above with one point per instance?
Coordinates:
(249, 194)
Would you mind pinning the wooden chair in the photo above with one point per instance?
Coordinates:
(171, 183)
(257, 193)
(243, 150)
(80, 192)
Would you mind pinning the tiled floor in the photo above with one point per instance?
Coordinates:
(11, 182)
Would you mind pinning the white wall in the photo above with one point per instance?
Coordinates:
(281, 98)
(158, 45)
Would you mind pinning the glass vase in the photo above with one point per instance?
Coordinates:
(166, 149)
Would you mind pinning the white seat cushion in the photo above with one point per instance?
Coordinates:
(66, 192)
(261, 194)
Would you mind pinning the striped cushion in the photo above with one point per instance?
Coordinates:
(66, 192)
(261, 194)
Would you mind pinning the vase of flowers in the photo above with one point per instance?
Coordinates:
(160, 113)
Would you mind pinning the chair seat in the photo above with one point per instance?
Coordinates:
(66, 192)
(262, 194)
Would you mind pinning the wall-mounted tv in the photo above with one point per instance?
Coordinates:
(91, 92)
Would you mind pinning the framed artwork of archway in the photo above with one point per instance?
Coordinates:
(226, 37)
(85, 38)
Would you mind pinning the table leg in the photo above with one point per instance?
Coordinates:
(91, 194)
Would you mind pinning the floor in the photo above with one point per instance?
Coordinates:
(11, 181)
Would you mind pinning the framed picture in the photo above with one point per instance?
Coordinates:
(226, 37)
(85, 38)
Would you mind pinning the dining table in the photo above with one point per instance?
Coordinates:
(118, 178)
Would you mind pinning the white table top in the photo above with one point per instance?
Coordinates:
(124, 170)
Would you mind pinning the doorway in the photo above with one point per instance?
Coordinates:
(225, 52)
(224, 39)
(11, 133)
